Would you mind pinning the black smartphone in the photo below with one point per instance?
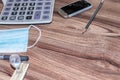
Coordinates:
(74, 8)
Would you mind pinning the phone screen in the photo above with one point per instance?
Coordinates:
(76, 6)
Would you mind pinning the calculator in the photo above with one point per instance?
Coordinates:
(27, 12)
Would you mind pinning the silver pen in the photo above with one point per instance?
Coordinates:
(6, 57)
(93, 16)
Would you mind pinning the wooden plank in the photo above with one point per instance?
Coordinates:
(20, 73)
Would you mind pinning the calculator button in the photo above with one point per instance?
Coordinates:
(7, 9)
(45, 17)
(14, 13)
(9, 4)
(33, 0)
(21, 13)
(6, 13)
(32, 4)
(46, 12)
(18, 0)
(11, 0)
(24, 4)
(20, 17)
(37, 15)
(4, 18)
(48, 3)
(31, 8)
(47, 7)
(40, 3)
(12, 17)
(23, 8)
(25, 0)
(17, 4)
(15, 8)
(38, 8)
(29, 12)
(29, 17)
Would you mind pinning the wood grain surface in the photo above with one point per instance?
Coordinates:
(63, 53)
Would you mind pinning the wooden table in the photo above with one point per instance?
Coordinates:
(63, 53)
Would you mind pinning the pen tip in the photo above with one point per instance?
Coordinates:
(84, 31)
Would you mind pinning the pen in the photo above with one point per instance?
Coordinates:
(6, 57)
(93, 16)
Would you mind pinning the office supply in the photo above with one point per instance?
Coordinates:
(15, 61)
(27, 12)
(93, 16)
(20, 73)
(74, 8)
(6, 57)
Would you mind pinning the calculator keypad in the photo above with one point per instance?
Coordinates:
(27, 12)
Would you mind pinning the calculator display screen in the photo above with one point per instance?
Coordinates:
(76, 6)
